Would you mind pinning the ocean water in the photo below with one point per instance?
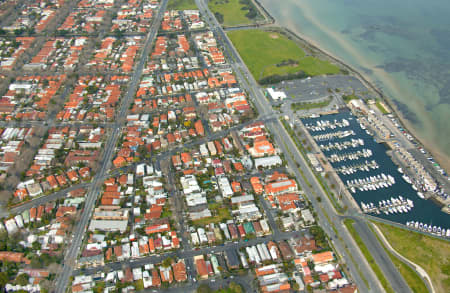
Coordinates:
(424, 211)
(403, 46)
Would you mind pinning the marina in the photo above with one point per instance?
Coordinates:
(371, 183)
(339, 157)
(389, 206)
(352, 168)
(343, 145)
(379, 186)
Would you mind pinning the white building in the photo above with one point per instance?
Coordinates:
(268, 162)
(225, 187)
(276, 95)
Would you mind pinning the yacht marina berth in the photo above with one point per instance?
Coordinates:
(367, 168)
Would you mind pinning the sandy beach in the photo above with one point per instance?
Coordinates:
(441, 158)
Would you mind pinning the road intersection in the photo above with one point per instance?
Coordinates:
(328, 217)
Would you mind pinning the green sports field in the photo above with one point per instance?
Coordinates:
(270, 53)
(234, 12)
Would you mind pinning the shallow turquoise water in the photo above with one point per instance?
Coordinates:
(402, 45)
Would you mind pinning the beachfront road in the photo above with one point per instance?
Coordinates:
(327, 216)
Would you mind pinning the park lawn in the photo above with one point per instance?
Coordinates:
(314, 66)
(181, 5)
(348, 98)
(376, 269)
(232, 11)
(411, 277)
(432, 254)
(312, 105)
(262, 51)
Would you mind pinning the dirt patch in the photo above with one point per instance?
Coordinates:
(275, 36)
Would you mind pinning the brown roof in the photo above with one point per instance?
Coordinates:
(347, 289)
(305, 244)
(13, 257)
(202, 270)
(286, 251)
(179, 271)
(156, 281)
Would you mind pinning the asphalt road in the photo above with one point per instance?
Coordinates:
(412, 148)
(327, 216)
(46, 198)
(381, 258)
(94, 191)
(344, 243)
(190, 253)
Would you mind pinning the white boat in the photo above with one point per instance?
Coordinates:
(407, 179)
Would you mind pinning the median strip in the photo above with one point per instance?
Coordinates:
(365, 251)
(411, 277)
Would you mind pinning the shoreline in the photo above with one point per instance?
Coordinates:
(442, 158)
(269, 18)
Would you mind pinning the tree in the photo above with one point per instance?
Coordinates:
(167, 262)
(139, 285)
(219, 17)
(36, 245)
(236, 288)
(3, 279)
(204, 288)
(118, 33)
(22, 279)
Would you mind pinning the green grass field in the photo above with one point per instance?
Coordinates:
(220, 213)
(270, 53)
(232, 11)
(181, 5)
(312, 105)
(432, 254)
(381, 108)
(376, 269)
(411, 277)
(348, 98)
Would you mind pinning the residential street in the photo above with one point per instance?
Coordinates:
(344, 244)
(141, 203)
(94, 191)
